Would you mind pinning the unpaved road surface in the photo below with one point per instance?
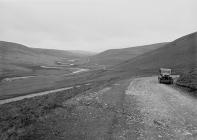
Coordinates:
(139, 108)
(167, 113)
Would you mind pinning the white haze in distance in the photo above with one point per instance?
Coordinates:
(95, 25)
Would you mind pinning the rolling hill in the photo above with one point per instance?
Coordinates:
(115, 56)
(180, 55)
(17, 53)
(16, 58)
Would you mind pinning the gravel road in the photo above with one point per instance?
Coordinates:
(167, 113)
(135, 109)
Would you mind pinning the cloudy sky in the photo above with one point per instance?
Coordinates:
(95, 25)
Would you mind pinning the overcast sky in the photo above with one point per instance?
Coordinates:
(95, 25)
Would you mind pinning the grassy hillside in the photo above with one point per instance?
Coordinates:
(17, 54)
(116, 56)
(180, 55)
(16, 58)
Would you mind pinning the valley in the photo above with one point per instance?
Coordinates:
(51, 94)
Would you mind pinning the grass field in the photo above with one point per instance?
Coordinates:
(37, 78)
(37, 81)
(21, 119)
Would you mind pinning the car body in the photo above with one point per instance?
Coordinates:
(165, 76)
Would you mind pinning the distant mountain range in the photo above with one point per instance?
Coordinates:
(83, 53)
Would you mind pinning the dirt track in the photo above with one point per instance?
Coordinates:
(167, 113)
(130, 109)
(137, 109)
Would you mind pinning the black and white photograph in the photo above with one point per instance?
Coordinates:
(98, 70)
